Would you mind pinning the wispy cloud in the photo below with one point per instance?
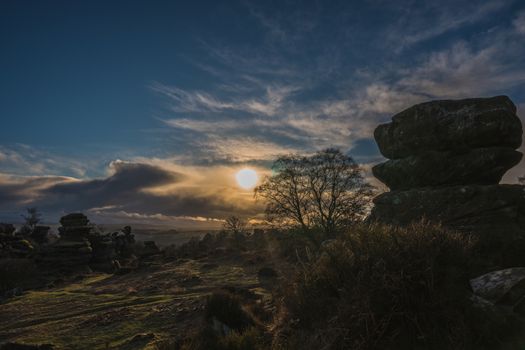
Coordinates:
(426, 20)
(322, 75)
(27, 160)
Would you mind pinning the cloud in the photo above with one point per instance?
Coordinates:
(125, 182)
(27, 160)
(463, 71)
(321, 76)
(519, 23)
(200, 102)
(152, 188)
(425, 20)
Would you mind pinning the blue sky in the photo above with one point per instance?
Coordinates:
(144, 110)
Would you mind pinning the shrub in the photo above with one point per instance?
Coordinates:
(240, 332)
(16, 273)
(380, 287)
(226, 308)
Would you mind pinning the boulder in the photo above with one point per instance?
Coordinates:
(39, 234)
(450, 125)
(21, 248)
(502, 288)
(103, 253)
(446, 160)
(66, 256)
(499, 209)
(483, 166)
(496, 286)
(74, 219)
(7, 229)
(150, 248)
(74, 226)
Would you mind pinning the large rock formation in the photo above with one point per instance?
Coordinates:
(450, 125)
(11, 245)
(446, 160)
(72, 252)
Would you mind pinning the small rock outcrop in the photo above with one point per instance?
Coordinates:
(446, 159)
(502, 288)
(11, 245)
(103, 257)
(73, 250)
(39, 234)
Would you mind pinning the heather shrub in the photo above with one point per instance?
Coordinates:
(383, 287)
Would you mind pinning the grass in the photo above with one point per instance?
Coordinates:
(138, 310)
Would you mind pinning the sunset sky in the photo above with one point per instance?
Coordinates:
(144, 111)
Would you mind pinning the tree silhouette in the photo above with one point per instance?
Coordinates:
(32, 218)
(325, 190)
(235, 225)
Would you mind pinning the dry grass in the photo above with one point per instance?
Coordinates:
(379, 287)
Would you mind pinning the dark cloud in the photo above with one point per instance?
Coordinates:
(127, 180)
(123, 190)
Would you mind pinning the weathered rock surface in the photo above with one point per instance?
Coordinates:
(150, 248)
(7, 229)
(450, 125)
(75, 226)
(483, 166)
(73, 250)
(13, 246)
(447, 158)
(103, 255)
(502, 288)
(493, 208)
(66, 255)
(494, 286)
(39, 234)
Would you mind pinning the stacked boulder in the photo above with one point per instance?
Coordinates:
(446, 159)
(73, 250)
(39, 234)
(103, 257)
(11, 245)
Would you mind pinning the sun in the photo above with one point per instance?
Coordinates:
(247, 178)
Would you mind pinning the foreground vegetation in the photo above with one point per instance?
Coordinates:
(373, 287)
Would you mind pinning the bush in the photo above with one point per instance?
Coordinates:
(16, 273)
(380, 287)
(226, 308)
(240, 333)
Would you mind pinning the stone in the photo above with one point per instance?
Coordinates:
(150, 248)
(66, 255)
(124, 242)
(7, 229)
(504, 289)
(450, 125)
(74, 219)
(496, 286)
(103, 257)
(39, 234)
(484, 166)
(21, 248)
(499, 209)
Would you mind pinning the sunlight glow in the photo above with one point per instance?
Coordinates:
(247, 178)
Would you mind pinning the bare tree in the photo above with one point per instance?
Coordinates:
(286, 193)
(32, 218)
(325, 190)
(235, 225)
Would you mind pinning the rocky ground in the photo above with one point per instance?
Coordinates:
(163, 299)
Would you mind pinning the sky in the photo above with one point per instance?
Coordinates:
(143, 111)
